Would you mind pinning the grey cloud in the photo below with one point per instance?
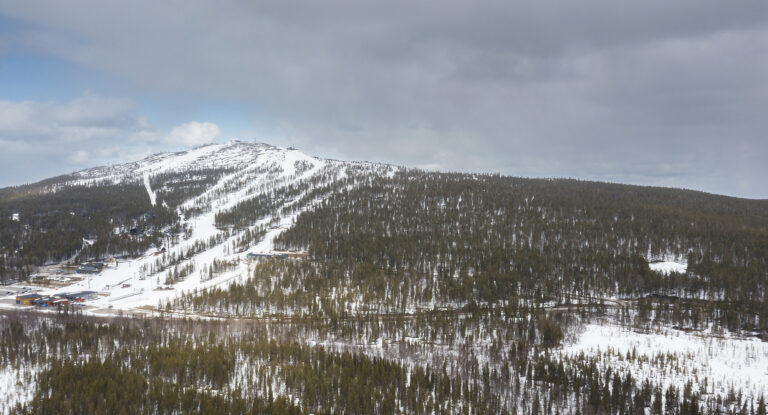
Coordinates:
(42, 139)
(654, 92)
(86, 118)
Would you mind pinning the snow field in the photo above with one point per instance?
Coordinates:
(17, 386)
(667, 263)
(714, 365)
(666, 267)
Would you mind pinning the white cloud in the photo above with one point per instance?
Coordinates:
(58, 136)
(193, 133)
(78, 157)
(81, 120)
(145, 136)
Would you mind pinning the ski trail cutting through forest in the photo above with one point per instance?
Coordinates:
(152, 195)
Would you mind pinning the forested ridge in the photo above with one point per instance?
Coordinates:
(421, 293)
(486, 238)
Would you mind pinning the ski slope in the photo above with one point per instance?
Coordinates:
(256, 169)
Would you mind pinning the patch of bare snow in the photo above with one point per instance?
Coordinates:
(17, 385)
(667, 267)
(723, 361)
(667, 263)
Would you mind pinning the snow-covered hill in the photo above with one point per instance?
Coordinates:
(234, 154)
(288, 178)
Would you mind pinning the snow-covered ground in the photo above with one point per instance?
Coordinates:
(673, 357)
(17, 386)
(666, 267)
(256, 169)
(667, 263)
(152, 194)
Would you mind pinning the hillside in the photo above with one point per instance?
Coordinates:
(164, 194)
(494, 294)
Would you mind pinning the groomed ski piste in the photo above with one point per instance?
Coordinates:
(256, 169)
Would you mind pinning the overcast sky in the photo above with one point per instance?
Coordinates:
(652, 92)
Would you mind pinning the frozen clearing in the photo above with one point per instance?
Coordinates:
(672, 357)
(667, 263)
(666, 267)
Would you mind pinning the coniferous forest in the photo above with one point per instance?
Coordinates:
(420, 293)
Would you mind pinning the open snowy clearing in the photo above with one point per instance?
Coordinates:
(667, 263)
(713, 364)
(666, 267)
(17, 385)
